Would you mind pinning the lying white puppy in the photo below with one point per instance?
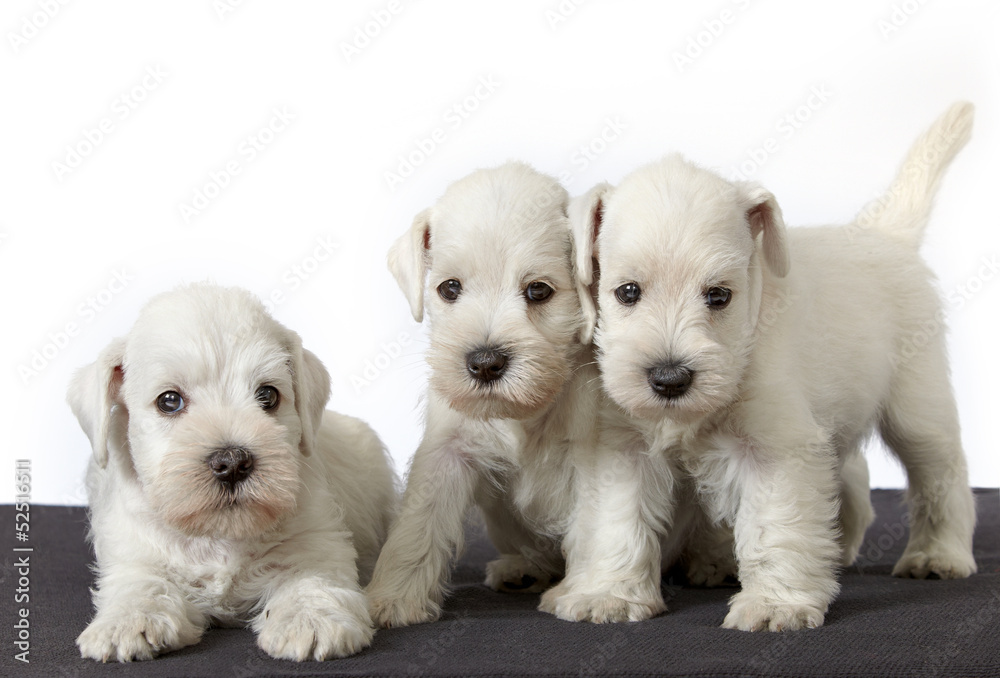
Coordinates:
(758, 362)
(220, 490)
(512, 391)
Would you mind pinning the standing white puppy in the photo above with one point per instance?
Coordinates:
(758, 361)
(220, 490)
(512, 388)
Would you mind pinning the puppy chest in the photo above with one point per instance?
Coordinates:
(544, 493)
(225, 587)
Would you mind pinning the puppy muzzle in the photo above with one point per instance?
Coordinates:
(486, 365)
(670, 380)
(231, 466)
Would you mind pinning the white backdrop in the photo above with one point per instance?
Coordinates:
(270, 145)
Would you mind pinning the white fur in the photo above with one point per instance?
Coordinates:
(830, 334)
(508, 447)
(175, 552)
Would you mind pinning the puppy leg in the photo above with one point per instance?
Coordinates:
(310, 604)
(408, 584)
(856, 512)
(528, 561)
(709, 551)
(613, 546)
(786, 545)
(313, 614)
(920, 425)
(140, 614)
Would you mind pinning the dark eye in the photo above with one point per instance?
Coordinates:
(628, 293)
(268, 397)
(169, 402)
(537, 291)
(718, 297)
(450, 289)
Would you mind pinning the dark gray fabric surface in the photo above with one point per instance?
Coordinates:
(879, 626)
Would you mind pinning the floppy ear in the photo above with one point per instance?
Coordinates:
(764, 216)
(311, 382)
(408, 262)
(93, 393)
(585, 214)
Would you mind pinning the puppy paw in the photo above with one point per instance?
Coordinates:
(140, 634)
(943, 562)
(600, 607)
(516, 574)
(707, 573)
(851, 540)
(325, 625)
(849, 553)
(390, 611)
(750, 613)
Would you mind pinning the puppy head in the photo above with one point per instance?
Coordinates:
(213, 403)
(679, 250)
(493, 261)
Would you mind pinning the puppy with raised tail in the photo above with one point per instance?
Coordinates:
(220, 491)
(512, 388)
(758, 361)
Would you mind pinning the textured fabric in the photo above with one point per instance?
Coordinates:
(878, 626)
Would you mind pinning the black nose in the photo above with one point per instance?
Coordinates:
(231, 465)
(486, 364)
(670, 380)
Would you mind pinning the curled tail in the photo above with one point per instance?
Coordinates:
(904, 209)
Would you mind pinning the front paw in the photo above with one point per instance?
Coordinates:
(708, 573)
(601, 607)
(139, 634)
(748, 612)
(324, 625)
(516, 574)
(946, 563)
(390, 610)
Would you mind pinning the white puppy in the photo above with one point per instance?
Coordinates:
(220, 490)
(512, 387)
(758, 362)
